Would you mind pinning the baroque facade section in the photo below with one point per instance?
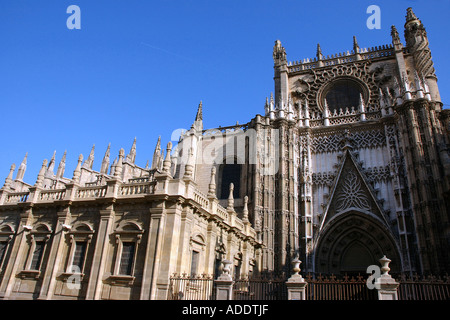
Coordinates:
(348, 162)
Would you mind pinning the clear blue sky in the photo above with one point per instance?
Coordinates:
(139, 68)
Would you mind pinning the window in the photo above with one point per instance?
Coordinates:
(194, 262)
(78, 239)
(6, 235)
(126, 261)
(231, 173)
(79, 254)
(343, 93)
(37, 255)
(3, 246)
(128, 238)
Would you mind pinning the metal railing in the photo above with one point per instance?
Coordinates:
(423, 288)
(191, 287)
(331, 287)
(260, 287)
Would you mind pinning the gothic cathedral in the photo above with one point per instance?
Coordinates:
(348, 162)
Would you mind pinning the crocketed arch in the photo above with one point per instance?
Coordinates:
(351, 240)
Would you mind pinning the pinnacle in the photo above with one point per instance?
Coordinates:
(410, 15)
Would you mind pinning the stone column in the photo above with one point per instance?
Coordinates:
(296, 285)
(224, 283)
(385, 284)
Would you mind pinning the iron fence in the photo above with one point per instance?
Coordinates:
(319, 287)
(192, 287)
(332, 287)
(261, 287)
(423, 288)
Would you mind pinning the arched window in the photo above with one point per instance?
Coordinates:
(230, 173)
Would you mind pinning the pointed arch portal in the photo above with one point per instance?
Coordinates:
(351, 242)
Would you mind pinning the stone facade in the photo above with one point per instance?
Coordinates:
(350, 162)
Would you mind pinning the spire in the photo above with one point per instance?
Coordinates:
(40, 177)
(319, 54)
(90, 160)
(198, 123)
(77, 171)
(199, 116)
(410, 15)
(8, 179)
(61, 166)
(279, 53)
(51, 165)
(22, 168)
(131, 157)
(355, 45)
(396, 38)
(267, 107)
(415, 32)
(156, 154)
(106, 160)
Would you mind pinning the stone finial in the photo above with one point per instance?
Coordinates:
(296, 266)
(167, 161)
(326, 113)
(226, 269)
(41, 174)
(77, 171)
(8, 179)
(212, 183)
(61, 166)
(22, 168)
(362, 107)
(384, 261)
(118, 169)
(245, 211)
(189, 168)
(230, 198)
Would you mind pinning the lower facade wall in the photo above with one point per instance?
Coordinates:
(122, 250)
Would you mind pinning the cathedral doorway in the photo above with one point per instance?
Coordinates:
(351, 242)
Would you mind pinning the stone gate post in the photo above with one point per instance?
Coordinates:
(296, 285)
(385, 284)
(224, 284)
